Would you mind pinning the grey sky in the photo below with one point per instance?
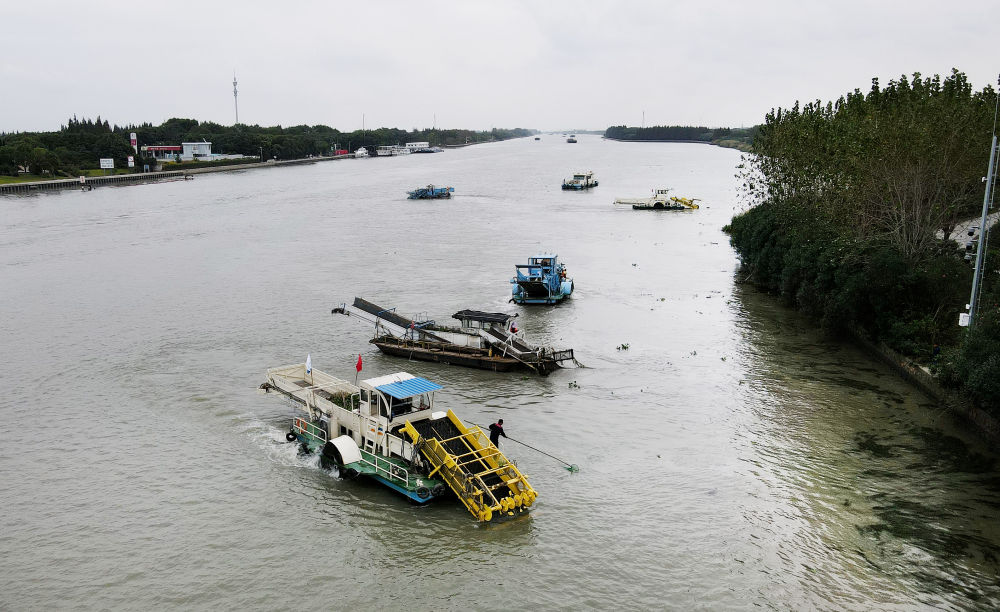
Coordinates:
(541, 64)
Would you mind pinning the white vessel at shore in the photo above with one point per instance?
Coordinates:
(391, 150)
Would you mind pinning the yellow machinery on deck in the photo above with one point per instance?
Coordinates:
(489, 485)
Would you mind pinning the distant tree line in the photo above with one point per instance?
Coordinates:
(81, 143)
(853, 206)
(682, 133)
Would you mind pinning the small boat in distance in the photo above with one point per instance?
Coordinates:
(362, 152)
(660, 200)
(571, 139)
(385, 428)
(540, 281)
(430, 192)
(580, 181)
(537, 138)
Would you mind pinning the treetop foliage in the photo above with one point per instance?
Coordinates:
(898, 163)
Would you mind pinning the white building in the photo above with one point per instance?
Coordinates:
(196, 150)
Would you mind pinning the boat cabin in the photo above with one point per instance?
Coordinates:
(398, 397)
(475, 319)
(538, 267)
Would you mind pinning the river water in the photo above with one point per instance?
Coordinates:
(730, 456)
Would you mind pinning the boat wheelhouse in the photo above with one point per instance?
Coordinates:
(542, 280)
(580, 181)
(485, 340)
(386, 429)
(660, 200)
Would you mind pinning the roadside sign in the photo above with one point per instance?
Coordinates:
(107, 163)
(131, 162)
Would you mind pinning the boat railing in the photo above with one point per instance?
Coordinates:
(565, 355)
(392, 472)
(309, 429)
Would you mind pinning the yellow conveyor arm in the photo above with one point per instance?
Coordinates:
(484, 480)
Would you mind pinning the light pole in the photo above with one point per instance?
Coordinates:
(968, 319)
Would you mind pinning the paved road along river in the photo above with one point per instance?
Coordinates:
(731, 457)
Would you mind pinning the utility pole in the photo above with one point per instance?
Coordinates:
(236, 103)
(968, 319)
(983, 237)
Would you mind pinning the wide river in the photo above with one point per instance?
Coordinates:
(731, 457)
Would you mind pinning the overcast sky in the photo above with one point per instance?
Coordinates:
(539, 64)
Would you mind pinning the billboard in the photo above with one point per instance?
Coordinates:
(107, 163)
(134, 142)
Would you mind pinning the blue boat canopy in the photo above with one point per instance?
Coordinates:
(409, 388)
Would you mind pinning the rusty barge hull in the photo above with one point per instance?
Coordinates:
(472, 358)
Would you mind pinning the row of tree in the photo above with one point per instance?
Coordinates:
(81, 143)
(681, 133)
(852, 209)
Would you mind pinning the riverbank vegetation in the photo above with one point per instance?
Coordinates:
(81, 143)
(852, 211)
(734, 138)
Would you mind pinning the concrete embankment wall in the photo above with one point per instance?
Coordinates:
(146, 177)
(923, 380)
(91, 181)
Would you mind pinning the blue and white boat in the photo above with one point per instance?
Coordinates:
(542, 280)
(430, 192)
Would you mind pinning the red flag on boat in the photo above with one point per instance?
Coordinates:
(359, 363)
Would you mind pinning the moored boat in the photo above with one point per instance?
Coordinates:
(361, 152)
(386, 429)
(660, 200)
(571, 139)
(485, 340)
(580, 181)
(391, 150)
(542, 280)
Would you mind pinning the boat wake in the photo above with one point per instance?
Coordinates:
(271, 440)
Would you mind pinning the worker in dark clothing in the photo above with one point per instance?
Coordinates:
(496, 430)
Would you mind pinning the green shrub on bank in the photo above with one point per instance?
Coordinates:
(841, 281)
(974, 365)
